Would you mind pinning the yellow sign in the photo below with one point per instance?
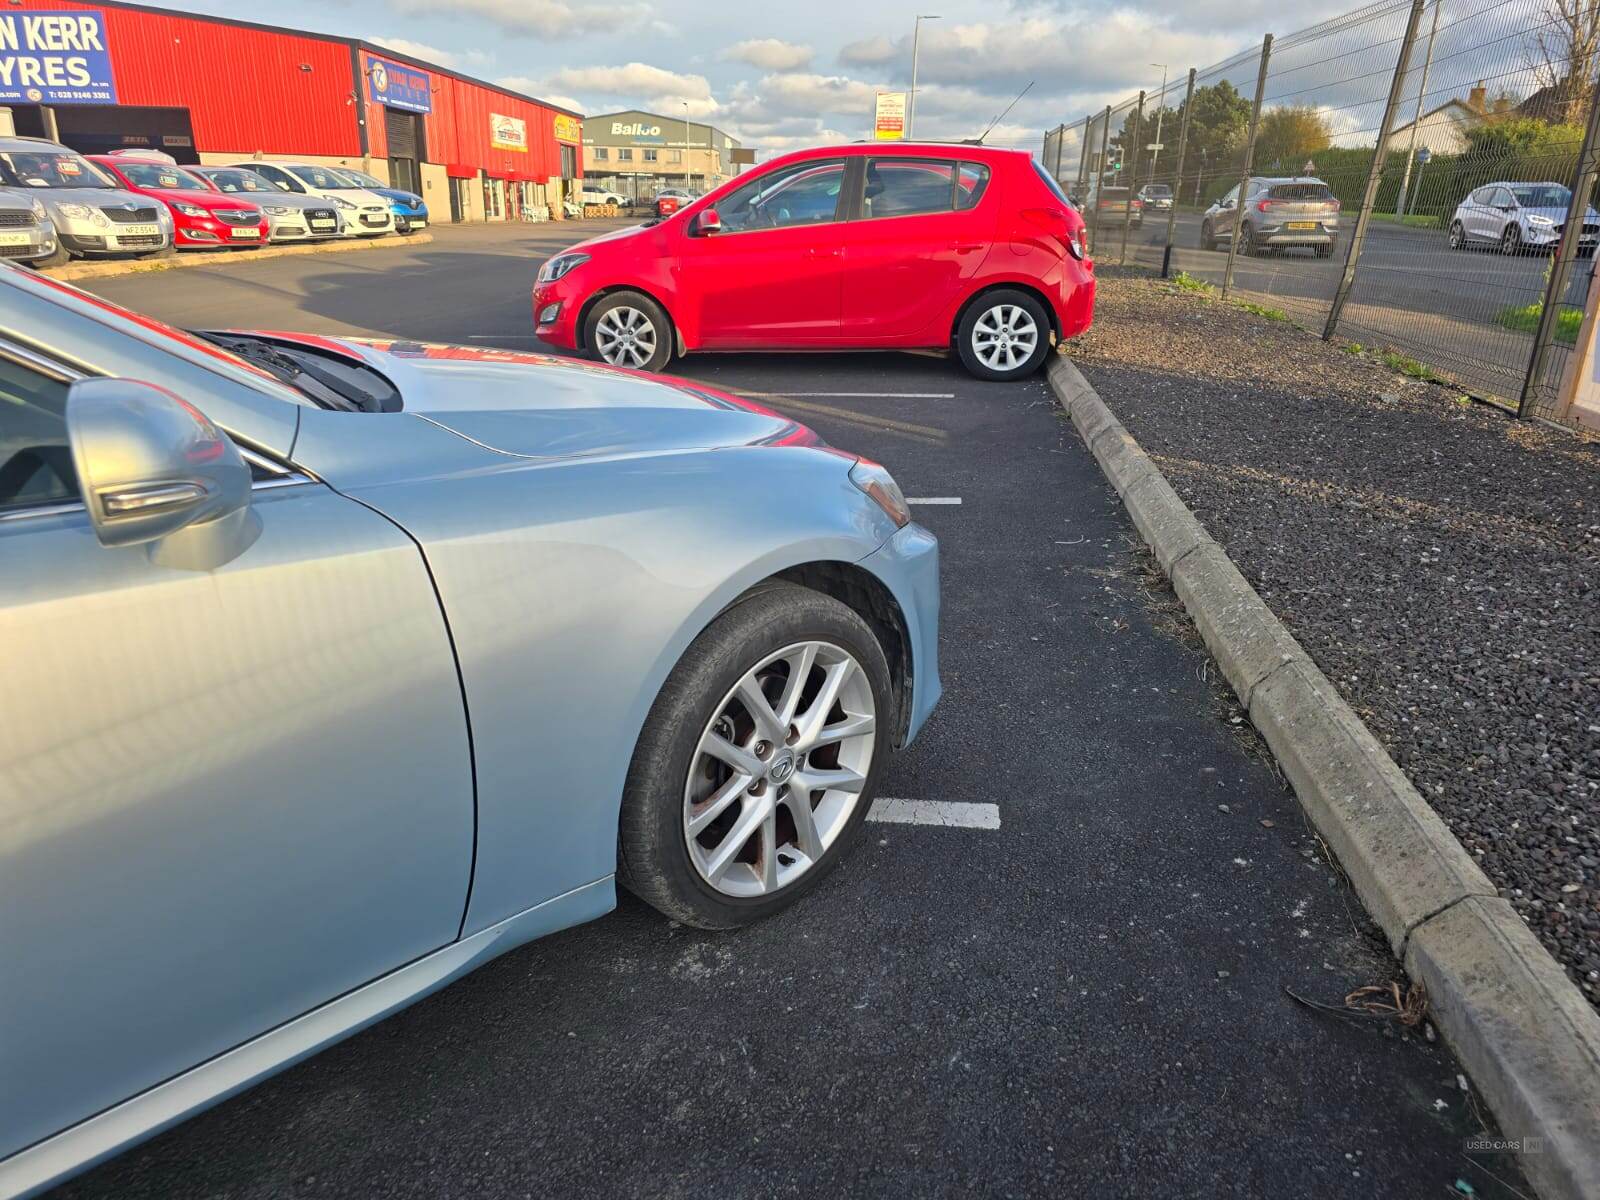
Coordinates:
(568, 129)
(508, 133)
(889, 121)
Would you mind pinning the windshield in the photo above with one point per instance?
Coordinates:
(357, 179)
(50, 169)
(1159, 190)
(232, 180)
(324, 179)
(1542, 195)
(327, 379)
(1300, 191)
(159, 177)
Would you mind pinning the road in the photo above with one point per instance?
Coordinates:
(1412, 292)
(1089, 1000)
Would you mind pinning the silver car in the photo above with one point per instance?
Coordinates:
(90, 213)
(335, 668)
(1279, 213)
(290, 217)
(1519, 218)
(26, 234)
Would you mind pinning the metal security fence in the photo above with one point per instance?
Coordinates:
(1414, 175)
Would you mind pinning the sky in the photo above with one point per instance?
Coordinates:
(782, 75)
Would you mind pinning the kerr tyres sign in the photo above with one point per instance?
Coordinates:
(55, 58)
(398, 86)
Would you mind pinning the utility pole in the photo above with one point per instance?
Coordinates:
(1403, 204)
(1249, 163)
(1177, 174)
(688, 176)
(1161, 104)
(916, 42)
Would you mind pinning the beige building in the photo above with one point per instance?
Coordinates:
(635, 154)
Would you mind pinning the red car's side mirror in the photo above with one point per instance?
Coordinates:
(708, 222)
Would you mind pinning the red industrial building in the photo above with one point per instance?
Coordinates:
(107, 76)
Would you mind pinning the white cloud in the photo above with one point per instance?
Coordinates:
(770, 54)
(536, 89)
(869, 52)
(540, 18)
(460, 60)
(630, 85)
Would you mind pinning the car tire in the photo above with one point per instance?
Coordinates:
(1511, 240)
(1207, 241)
(1247, 241)
(58, 257)
(994, 327)
(1324, 251)
(628, 329)
(759, 641)
(1458, 236)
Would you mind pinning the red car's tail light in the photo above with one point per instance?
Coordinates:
(1066, 228)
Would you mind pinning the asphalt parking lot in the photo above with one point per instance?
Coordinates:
(1089, 1000)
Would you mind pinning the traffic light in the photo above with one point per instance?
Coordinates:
(1116, 158)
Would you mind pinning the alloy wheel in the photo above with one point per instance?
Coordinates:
(625, 337)
(1511, 240)
(1005, 337)
(1457, 236)
(779, 769)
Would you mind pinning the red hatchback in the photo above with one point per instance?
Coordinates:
(843, 247)
(200, 215)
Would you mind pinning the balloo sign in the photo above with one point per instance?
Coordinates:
(55, 58)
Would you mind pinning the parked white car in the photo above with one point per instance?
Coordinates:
(603, 196)
(291, 217)
(90, 214)
(361, 213)
(1519, 218)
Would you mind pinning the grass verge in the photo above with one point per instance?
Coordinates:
(1524, 318)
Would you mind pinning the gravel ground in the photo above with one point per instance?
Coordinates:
(1438, 560)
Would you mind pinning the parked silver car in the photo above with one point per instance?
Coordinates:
(1279, 213)
(335, 668)
(90, 213)
(290, 217)
(1519, 218)
(26, 234)
(1157, 197)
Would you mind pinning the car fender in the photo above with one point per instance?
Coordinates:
(571, 589)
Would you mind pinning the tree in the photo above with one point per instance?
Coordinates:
(1289, 135)
(1217, 129)
(1567, 51)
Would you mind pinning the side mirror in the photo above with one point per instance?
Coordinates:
(151, 465)
(708, 222)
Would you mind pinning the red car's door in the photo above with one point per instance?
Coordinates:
(923, 231)
(771, 276)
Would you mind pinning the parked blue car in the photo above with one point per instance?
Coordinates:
(409, 210)
(335, 668)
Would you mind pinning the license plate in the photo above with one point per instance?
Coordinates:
(1301, 225)
(417, 223)
(138, 230)
(15, 239)
(246, 233)
(322, 224)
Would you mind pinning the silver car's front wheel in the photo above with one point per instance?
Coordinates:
(757, 763)
(779, 769)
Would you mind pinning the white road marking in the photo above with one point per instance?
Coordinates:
(933, 499)
(935, 812)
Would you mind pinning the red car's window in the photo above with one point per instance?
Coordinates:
(970, 184)
(160, 177)
(904, 187)
(806, 193)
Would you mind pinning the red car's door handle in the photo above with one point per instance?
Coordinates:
(966, 247)
(822, 252)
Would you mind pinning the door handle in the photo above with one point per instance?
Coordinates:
(822, 252)
(966, 247)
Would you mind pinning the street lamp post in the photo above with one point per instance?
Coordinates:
(916, 41)
(687, 176)
(1161, 111)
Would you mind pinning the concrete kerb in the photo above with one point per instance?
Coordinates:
(179, 262)
(1523, 1030)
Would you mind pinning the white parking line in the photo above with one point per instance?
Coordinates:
(933, 499)
(935, 812)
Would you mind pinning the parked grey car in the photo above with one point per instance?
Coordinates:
(339, 667)
(1157, 197)
(90, 213)
(1279, 213)
(1519, 218)
(26, 234)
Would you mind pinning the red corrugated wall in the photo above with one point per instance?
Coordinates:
(244, 88)
(457, 129)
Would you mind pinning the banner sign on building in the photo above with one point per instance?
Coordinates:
(508, 133)
(889, 122)
(399, 86)
(55, 58)
(567, 128)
